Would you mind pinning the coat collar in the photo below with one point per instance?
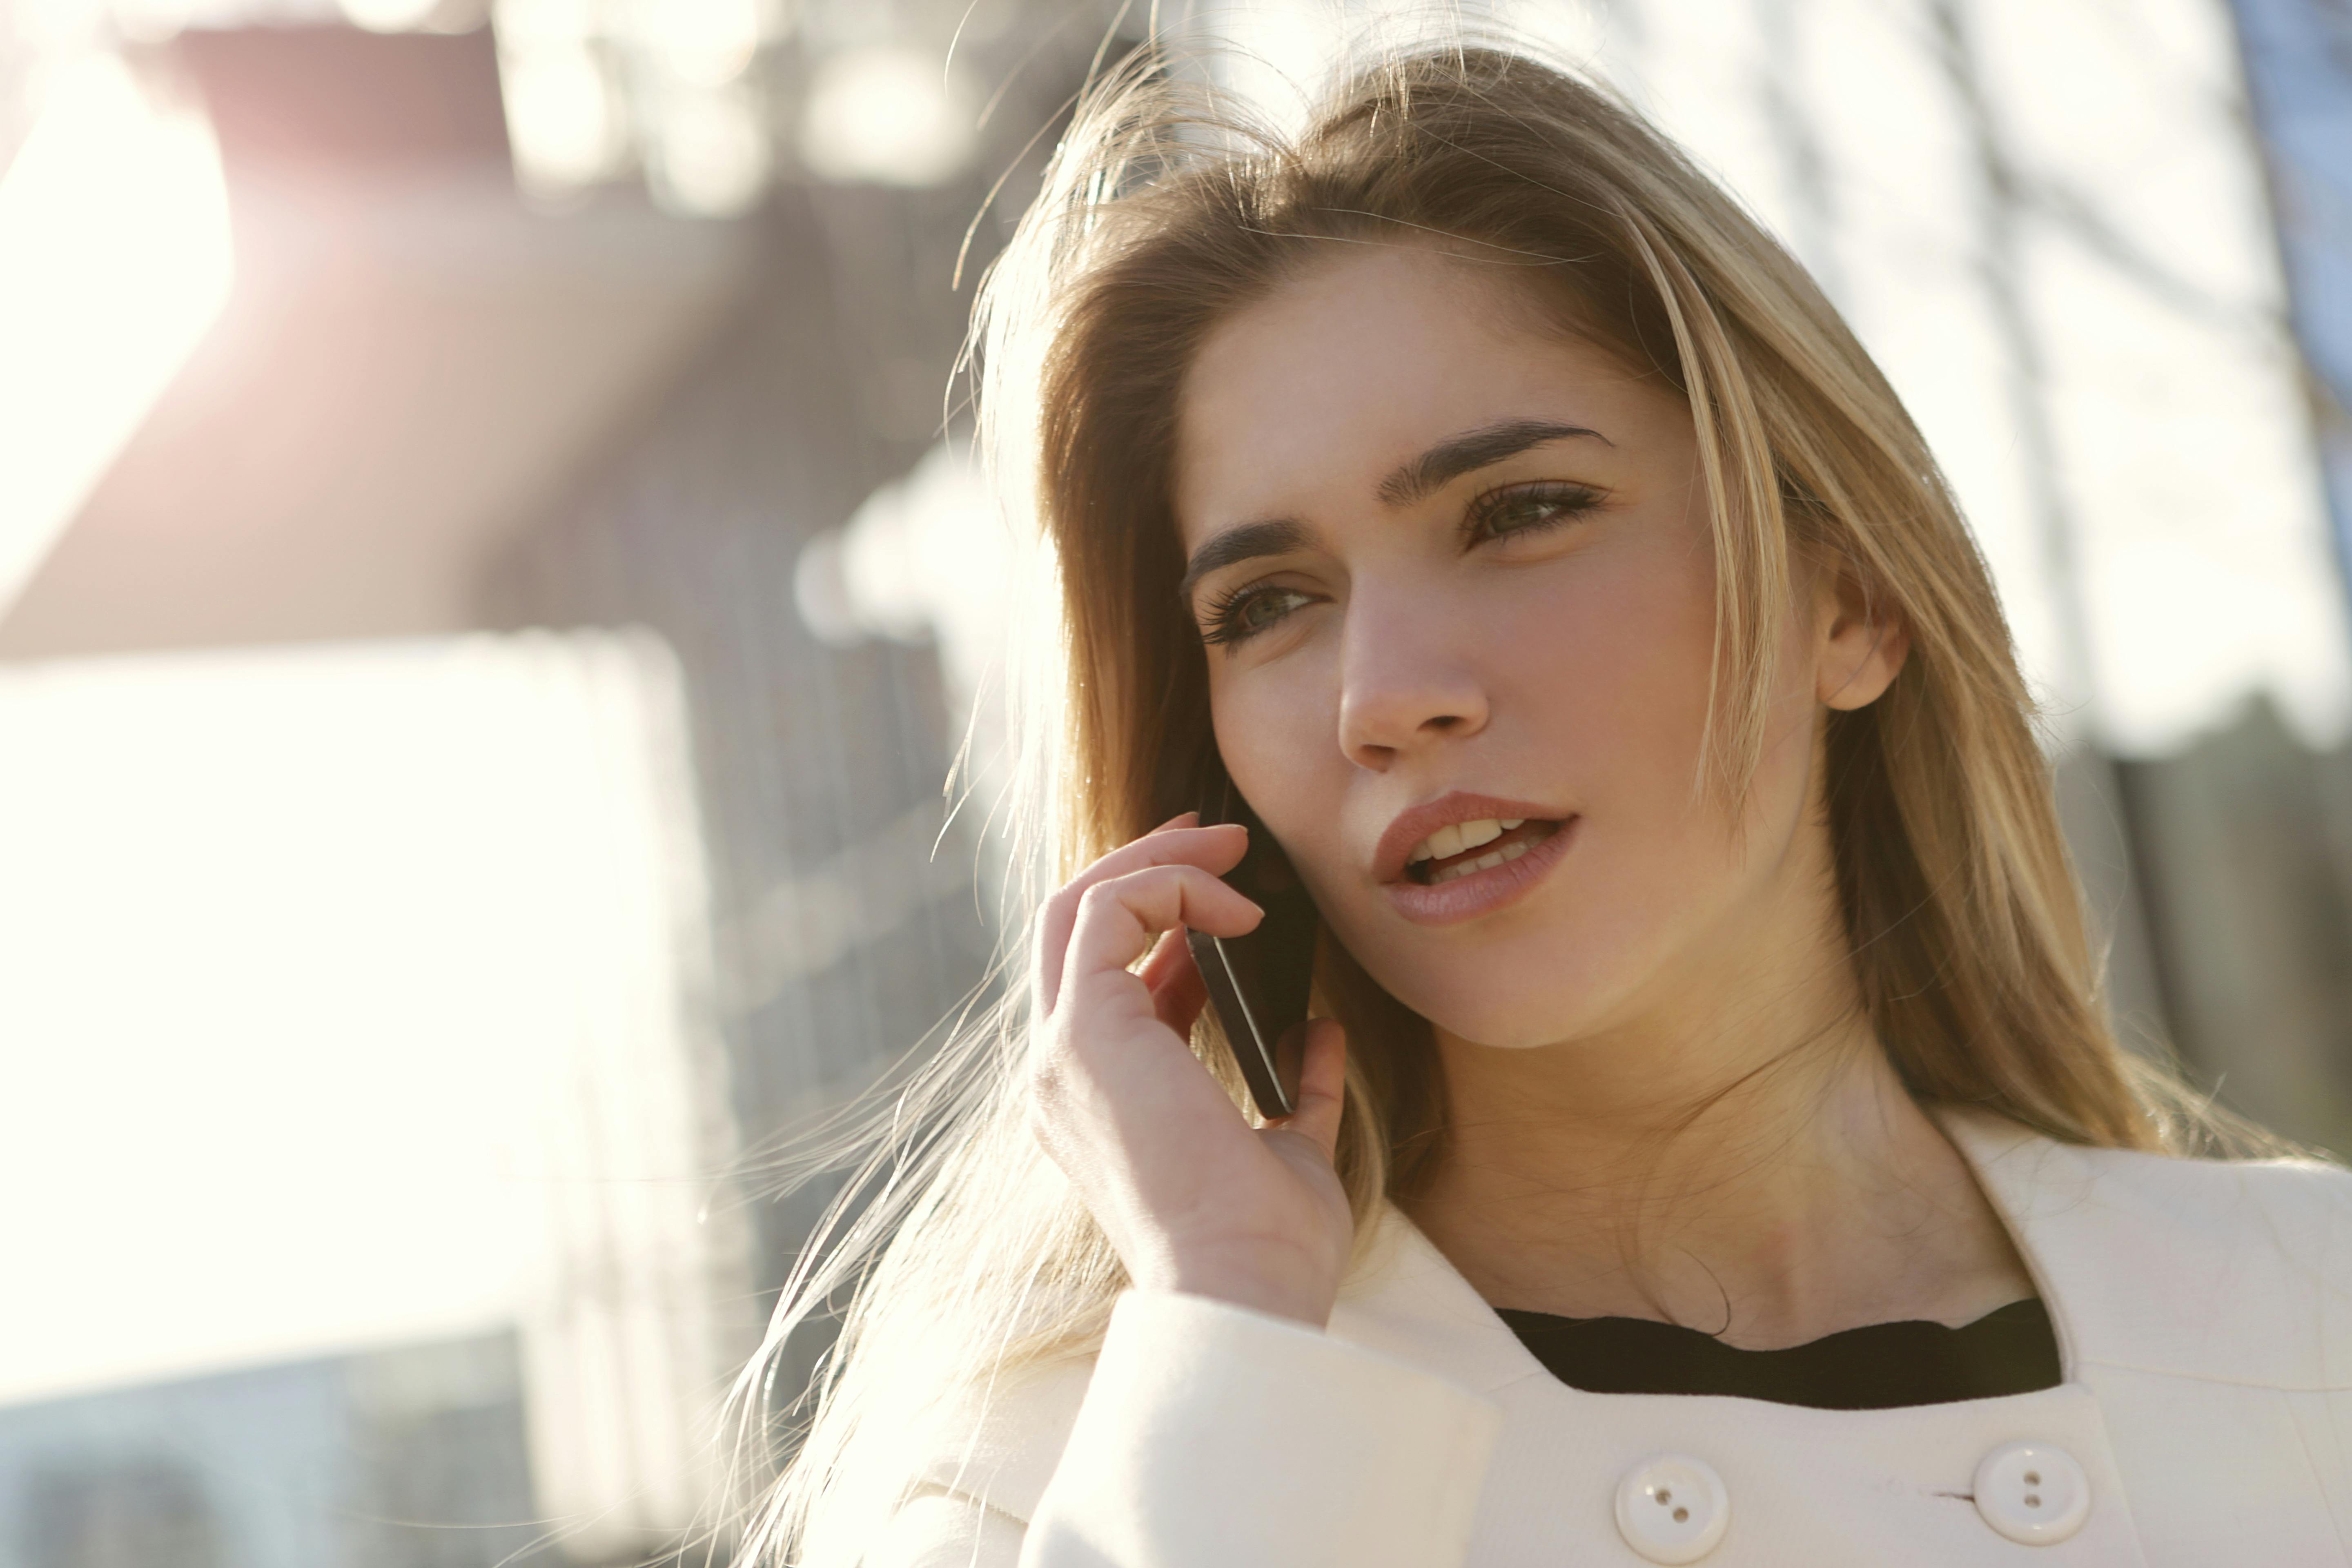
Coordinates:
(2228, 1272)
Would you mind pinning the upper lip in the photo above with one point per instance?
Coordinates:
(1416, 823)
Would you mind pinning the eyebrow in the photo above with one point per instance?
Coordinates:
(1472, 450)
(1273, 536)
(1410, 482)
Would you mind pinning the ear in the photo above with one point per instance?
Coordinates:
(1859, 646)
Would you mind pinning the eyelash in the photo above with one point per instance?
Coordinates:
(1225, 611)
(1566, 503)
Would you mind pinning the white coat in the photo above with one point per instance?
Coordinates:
(2203, 1312)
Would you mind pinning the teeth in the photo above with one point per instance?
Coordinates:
(1460, 838)
(1507, 854)
(1451, 841)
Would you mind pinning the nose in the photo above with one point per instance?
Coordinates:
(1406, 681)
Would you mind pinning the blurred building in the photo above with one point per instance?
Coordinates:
(436, 603)
(412, 1457)
(488, 598)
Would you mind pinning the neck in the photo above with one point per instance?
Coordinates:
(1770, 1194)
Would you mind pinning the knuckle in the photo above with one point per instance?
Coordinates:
(1046, 1087)
(1045, 1129)
(1055, 1058)
(1050, 1105)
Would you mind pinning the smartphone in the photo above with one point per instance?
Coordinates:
(1258, 983)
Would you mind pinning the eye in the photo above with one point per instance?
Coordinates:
(1242, 613)
(1527, 508)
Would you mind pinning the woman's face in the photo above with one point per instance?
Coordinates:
(1456, 580)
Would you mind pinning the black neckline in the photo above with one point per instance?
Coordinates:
(1880, 1366)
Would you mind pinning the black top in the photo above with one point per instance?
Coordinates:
(2012, 1350)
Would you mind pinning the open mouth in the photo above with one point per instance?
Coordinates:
(1465, 849)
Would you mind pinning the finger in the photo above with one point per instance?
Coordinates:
(1289, 1055)
(1120, 920)
(1177, 991)
(1322, 1085)
(1216, 849)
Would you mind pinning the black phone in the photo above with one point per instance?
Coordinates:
(1258, 983)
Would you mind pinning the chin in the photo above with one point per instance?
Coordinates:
(1501, 1005)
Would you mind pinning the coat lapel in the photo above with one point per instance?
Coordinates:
(2226, 1272)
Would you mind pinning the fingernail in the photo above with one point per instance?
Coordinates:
(1176, 821)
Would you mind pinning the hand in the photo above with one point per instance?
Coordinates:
(1193, 1198)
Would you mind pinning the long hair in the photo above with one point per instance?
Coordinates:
(966, 1258)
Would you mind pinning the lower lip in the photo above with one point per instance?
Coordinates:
(1481, 892)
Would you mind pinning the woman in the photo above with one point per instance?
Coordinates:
(1711, 1144)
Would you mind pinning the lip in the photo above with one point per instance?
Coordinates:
(1481, 892)
(1417, 823)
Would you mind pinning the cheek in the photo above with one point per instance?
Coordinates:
(1278, 730)
(1610, 671)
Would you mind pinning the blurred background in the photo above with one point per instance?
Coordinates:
(490, 589)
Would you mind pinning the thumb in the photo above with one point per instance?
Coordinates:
(1322, 1084)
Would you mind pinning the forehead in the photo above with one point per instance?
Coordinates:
(1322, 387)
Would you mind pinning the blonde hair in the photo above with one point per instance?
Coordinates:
(967, 1257)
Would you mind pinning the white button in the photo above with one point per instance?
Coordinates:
(2033, 1493)
(1672, 1510)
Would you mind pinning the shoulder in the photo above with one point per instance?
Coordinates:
(1000, 1444)
(2231, 1270)
(2289, 1206)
